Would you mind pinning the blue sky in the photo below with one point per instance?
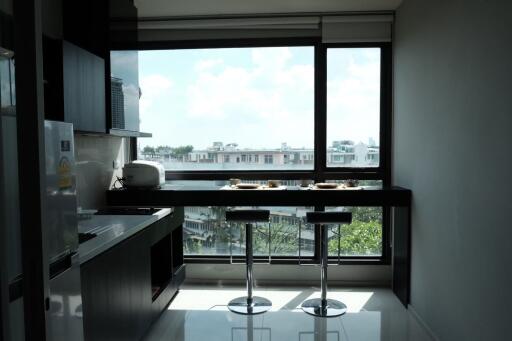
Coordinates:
(256, 97)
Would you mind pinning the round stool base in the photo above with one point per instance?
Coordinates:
(240, 306)
(333, 308)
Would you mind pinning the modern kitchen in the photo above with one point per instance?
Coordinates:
(237, 170)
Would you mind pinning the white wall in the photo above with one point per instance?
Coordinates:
(452, 147)
(94, 163)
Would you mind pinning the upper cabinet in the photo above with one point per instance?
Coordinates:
(85, 83)
(84, 89)
(86, 24)
(74, 86)
(123, 24)
(124, 69)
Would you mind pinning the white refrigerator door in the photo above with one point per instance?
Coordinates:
(64, 309)
(60, 221)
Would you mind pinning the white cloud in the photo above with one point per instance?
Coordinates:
(271, 57)
(353, 103)
(206, 64)
(272, 94)
(259, 99)
(153, 87)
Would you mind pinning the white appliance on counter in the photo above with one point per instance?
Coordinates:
(143, 174)
(64, 318)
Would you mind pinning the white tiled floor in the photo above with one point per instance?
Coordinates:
(199, 313)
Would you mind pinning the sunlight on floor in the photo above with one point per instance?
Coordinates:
(199, 312)
(217, 299)
(355, 301)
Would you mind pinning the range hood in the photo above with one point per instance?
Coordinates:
(128, 133)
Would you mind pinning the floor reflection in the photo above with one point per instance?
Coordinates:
(199, 314)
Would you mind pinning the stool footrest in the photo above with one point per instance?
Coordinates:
(242, 305)
(328, 308)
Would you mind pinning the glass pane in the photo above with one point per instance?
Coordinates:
(361, 184)
(124, 89)
(207, 233)
(353, 107)
(228, 108)
(361, 238)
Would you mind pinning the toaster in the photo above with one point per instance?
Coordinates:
(143, 174)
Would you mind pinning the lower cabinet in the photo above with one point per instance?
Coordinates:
(127, 287)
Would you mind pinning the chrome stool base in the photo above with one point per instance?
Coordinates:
(330, 308)
(240, 305)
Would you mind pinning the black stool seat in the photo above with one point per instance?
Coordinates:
(248, 216)
(329, 217)
(249, 305)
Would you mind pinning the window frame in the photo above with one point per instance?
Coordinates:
(320, 171)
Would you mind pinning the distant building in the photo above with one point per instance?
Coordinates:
(342, 153)
(117, 102)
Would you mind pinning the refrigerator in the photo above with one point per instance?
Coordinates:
(64, 319)
(11, 303)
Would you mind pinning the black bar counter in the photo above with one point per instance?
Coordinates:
(396, 198)
(175, 195)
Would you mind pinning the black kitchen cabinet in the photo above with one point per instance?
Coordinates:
(77, 43)
(118, 293)
(6, 30)
(53, 79)
(114, 289)
(86, 24)
(123, 24)
(74, 86)
(84, 89)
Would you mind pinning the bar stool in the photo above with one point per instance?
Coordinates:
(249, 305)
(324, 307)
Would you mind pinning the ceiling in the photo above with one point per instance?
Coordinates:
(185, 8)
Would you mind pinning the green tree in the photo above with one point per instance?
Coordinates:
(148, 150)
(283, 239)
(221, 238)
(193, 246)
(366, 214)
(181, 151)
(358, 238)
(163, 149)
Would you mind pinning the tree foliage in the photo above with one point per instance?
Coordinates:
(148, 150)
(179, 152)
(358, 238)
(362, 237)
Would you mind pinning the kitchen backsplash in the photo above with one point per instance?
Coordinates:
(95, 157)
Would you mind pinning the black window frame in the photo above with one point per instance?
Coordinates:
(320, 171)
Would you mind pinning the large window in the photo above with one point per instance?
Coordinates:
(228, 108)
(286, 235)
(363, 237)
(353, 107)
(315, 111)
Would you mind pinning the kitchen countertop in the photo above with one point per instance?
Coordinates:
(113, 229)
